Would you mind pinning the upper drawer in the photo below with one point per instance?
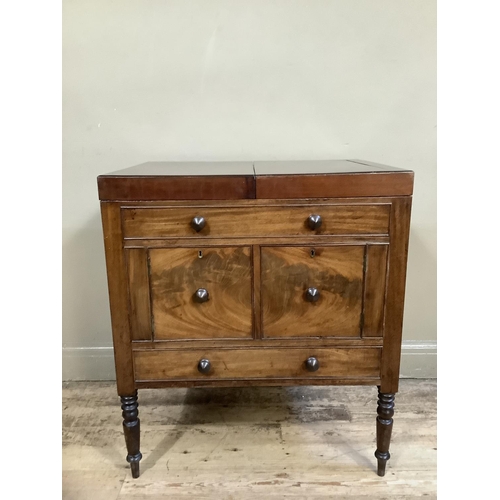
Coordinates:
(155, 222)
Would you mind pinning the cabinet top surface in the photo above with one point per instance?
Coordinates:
(251, 169)
(157, 181)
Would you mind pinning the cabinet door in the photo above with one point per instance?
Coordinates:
(222, 308)
(327, 291)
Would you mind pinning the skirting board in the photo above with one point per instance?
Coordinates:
(418, 360)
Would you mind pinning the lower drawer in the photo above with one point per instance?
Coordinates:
(265, 363)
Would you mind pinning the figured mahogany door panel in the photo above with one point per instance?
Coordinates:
(256, 363)
(177, 222)
(312, 291)
(140, 301)
(201, 292)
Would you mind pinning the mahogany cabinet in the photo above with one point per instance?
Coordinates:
(256, 273)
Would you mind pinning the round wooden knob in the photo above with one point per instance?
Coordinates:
(312, 294)
(314, 221)
(201, 295)
(204, 366)
(198, 223)
(312, 364)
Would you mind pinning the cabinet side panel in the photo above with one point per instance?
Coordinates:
(374, 293)
(396, 281)
(140, 301)
(118, 299)
(256, 284)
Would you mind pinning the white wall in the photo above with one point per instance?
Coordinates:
(247, 80)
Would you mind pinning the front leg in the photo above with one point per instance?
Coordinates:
(131, 429)
(385, 412)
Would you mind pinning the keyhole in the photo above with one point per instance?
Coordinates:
(313, 252)
(200, 254)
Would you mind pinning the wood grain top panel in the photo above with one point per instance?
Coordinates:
(153, 181)
(187, 169)
(334, 185)
(315, 167)
(152, 188)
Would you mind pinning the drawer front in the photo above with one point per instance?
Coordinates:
(201, 292)
(323, 291)
(255, 221)
(256, 363)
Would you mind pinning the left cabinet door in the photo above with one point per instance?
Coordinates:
(199, 293)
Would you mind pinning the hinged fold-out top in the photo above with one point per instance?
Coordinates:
(179, 181)
(254, 180)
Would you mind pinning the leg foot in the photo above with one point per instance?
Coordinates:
(381, 463)
(385, 412)
(134, 467)
(132, 430)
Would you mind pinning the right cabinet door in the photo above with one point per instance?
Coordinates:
(323, 291)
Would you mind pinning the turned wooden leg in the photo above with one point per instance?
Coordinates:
(132, 429)
(385, 412)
